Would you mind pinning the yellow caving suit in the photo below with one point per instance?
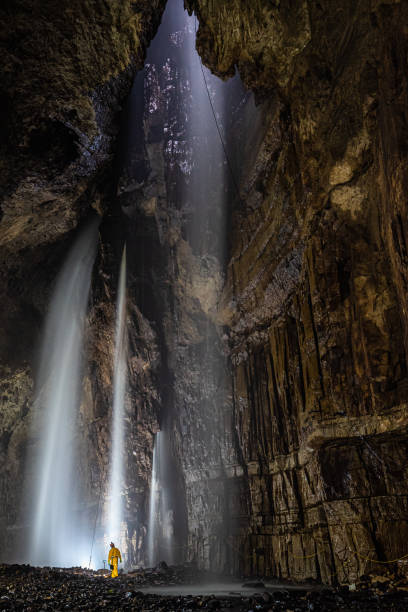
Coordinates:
(113, 559)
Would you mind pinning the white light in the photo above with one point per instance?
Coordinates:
(56, 527)
(116, 479)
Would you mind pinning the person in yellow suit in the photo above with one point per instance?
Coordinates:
(113, 559)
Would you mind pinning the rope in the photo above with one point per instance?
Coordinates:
(357, 554)
(217, 124)
(307, 556)
(382, 562)
(96, 521)
(346, 561)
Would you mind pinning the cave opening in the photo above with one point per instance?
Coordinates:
(175, 189)
(175, 179)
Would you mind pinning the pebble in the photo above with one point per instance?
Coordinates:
(43, 589)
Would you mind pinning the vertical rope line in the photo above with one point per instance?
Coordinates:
(96, 521)
(216, 122)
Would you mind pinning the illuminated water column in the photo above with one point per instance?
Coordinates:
(160, 534)
(206, 193)
(57, 534)
(116, 478)
(153, 510)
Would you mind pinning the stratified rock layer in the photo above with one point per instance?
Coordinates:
(66, 69)
(303, 472)
(316, 291)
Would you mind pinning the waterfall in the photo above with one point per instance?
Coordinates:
(196, 110)
(153, 507)
(56, 534)
(160, 537)
(166, 507)
(116, 479)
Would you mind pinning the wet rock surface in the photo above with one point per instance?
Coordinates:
(315, 299)
(26, 588)
(303, 472)
(66, 71)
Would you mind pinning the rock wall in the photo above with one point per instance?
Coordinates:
(298, 464)
(142, 406)
(66, 70)
(176, 280)
(316, 298)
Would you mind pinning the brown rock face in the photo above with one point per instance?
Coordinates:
(316, 290)
(176, 280)
(66, 69)
(289, 438)
(142, 406)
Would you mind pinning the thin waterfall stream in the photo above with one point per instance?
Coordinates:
(153, 509)
(160, 530)
(57, 534)
(116, 477)
(204, 305)
(192, 106)
(202, 198)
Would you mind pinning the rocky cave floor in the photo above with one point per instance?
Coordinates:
(23, 587)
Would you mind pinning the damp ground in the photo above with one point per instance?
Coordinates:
(25, 588)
